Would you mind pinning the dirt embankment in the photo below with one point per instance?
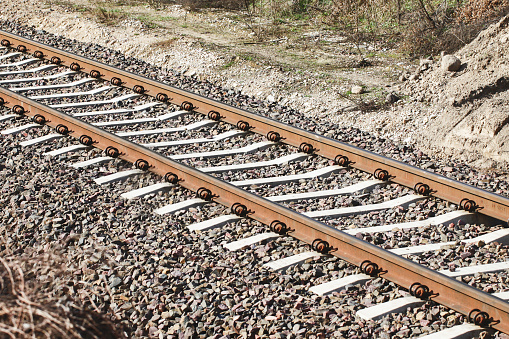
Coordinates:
(468, 107)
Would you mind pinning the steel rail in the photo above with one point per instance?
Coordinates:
(492, 204)
(403, 272)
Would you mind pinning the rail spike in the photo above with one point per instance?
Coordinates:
(321, 246)
(273, 136)
(187, 106)
(55, 60)
(39, 119)
(419, 290)
(172, 178)
(75, 67)
(138, 89)
(86, 140)
(370, 268)
(213, 115)
(62, 129)
(204, 193)
(306, 148)
(17, 109)
(112, 152)
(240, 209)
(479, 318)
(422, 189)
(116, 81)
(95, 73)
(468, 205)
(243, 125)
(342, 160)
(142, 164)
(381, 174)
(279, 227)
(162, 97)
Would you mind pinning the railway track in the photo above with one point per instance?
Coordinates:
(36, 85)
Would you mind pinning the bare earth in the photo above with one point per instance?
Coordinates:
(461, 114)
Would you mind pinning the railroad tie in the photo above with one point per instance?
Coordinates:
(454, 216)
(394, 306)
(239, 244)
(190, 127)
(44, 138)
(284, 263)
(19, 129)
(134, 109)
(252, 165)
(336, 212)
(68, 149)
(20, 63)
(183, 205)
(9, 117)
(57, 86)
(126, 122)
(141, 192)
(340, 284)
(214, 222)
(107, 179)
(471, 270)
(71, 94)
(222, 136)
(28, 71)
(242, 150)
(456, 332)
(34, 79)
(9, 55)
(367, 185)
(319, 173)
(500, 236)
(95, 103)
(91, 162)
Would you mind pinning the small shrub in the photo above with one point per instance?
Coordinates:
(107, 16)
(456, 28)
(476, 11)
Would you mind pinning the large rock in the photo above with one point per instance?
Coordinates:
(450, 63)
(357, 90)
(392, 98)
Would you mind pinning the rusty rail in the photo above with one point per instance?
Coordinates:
(403, 272)
(492, 204)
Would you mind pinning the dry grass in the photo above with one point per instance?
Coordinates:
(480, 10)
(228, 4)
(419, 27)
(165, 43)
(106, 15)
(453, 30)
(37, 300)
